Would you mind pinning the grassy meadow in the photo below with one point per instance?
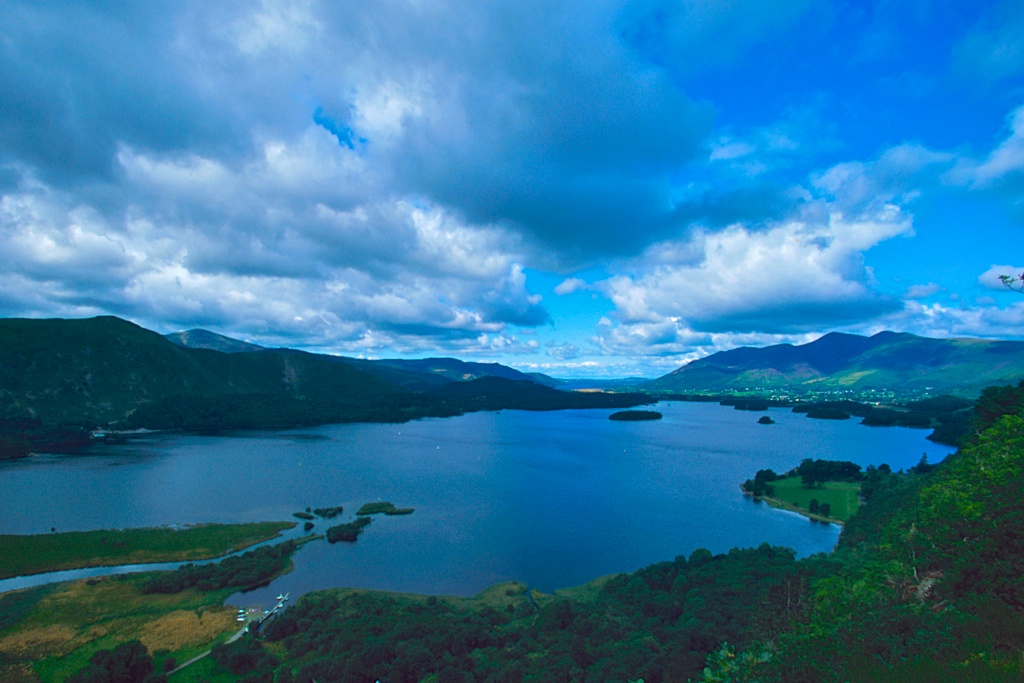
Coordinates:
(23, 555)
(841, 495)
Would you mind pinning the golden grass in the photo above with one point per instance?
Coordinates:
(182, 628)
(17, 673)
(31, 642)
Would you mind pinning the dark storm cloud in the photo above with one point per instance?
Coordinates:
(547, 125)
(77, 79)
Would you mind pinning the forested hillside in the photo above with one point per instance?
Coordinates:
(924, 586)
(100, 370)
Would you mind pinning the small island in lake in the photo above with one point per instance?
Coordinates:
(765, 420)
(383, 507)
(347, 532)
(635, 415)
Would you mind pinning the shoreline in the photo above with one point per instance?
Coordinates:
(789, 507)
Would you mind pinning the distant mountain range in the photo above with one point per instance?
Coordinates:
(417, 375)
(888, 361)
(109, 372)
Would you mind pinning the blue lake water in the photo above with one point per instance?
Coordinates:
(551, 499)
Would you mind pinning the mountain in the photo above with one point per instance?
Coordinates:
(460, 371)
(887, 361)
(60, 378)
(416, 375)
(101, 370)
(204, 339)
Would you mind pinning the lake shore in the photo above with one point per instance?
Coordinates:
(783, 505)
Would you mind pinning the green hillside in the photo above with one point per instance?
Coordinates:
(888, 361)
(98, 371)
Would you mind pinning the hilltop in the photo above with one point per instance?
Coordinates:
(886, 362)
(204, 339)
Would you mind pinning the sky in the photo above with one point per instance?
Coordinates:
(581, 188)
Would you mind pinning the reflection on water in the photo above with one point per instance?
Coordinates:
(552, 499)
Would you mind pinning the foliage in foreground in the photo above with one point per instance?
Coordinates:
(658, 624)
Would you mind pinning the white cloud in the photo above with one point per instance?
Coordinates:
(570, 285)
(731, 149)
(780, 281)
(564, 351)
(386, 274)
(939, 320)
(791, 275)
(922, 291)
(1005, 160)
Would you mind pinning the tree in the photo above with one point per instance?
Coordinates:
(825, 509)
(127, 663)
(813, 506)
(725, 666)
(1014, 282)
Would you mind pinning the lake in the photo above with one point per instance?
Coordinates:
(553, 499)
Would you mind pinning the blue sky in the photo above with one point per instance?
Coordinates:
(580, 188)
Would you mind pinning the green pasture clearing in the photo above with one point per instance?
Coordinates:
(23, 555)
(841, 495)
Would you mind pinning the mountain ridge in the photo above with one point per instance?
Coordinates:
(205, 339)
(421, 374)
(841, 362)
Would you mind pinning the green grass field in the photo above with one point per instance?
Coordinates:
(22, 555)
(841, 495)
